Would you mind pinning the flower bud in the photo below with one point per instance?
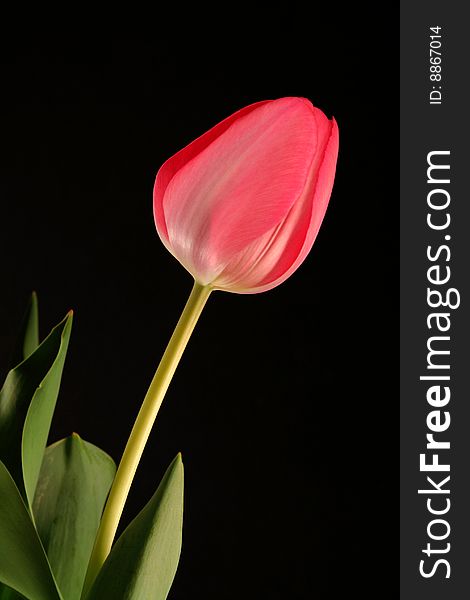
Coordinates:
(240, 207)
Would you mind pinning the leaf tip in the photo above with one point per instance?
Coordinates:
(177, 467)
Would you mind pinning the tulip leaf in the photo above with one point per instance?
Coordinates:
(23, 563)
(72, 488)
(143, 562)
(39, 416)
(7, 593)
(28, 338)
(28, 397)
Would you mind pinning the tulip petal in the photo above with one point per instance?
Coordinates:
(275, 256)
(321, 196)
(168, 170)
(241, 186)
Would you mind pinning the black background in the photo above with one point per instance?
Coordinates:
(283, 404)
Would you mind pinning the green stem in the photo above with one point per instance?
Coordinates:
(141, 430)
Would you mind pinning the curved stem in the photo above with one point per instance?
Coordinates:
(141, 431)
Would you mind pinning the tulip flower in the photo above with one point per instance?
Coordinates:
(240, 208)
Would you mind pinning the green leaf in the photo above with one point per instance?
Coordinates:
(73, 485)
(28, 338)
(39, 416)
(6, 593)
(28, 397)
(23, 563)
(142, 564)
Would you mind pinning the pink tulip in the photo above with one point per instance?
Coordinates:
(240, 207)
